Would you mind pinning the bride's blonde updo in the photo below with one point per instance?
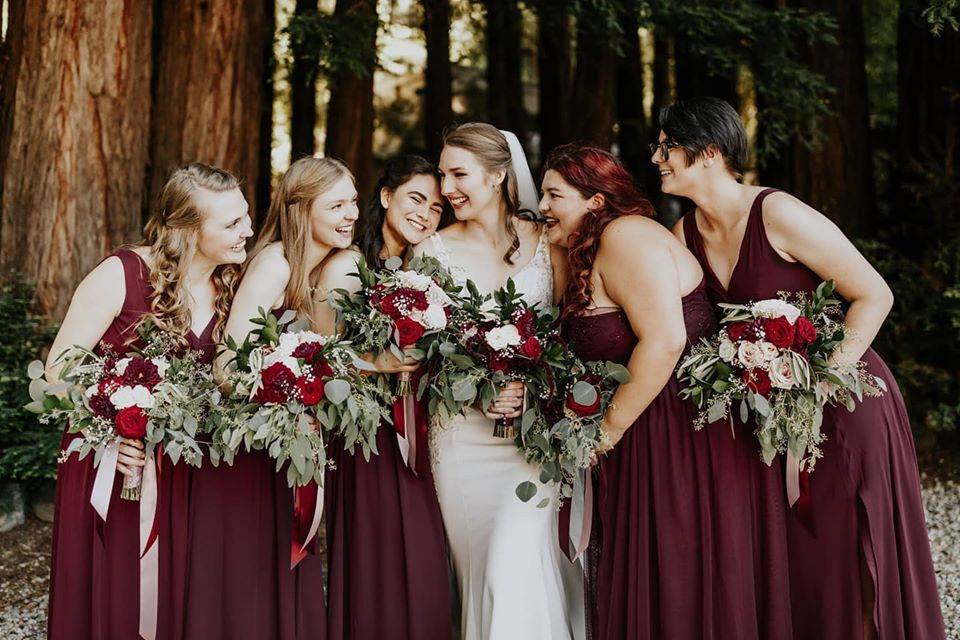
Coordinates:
(171, 234)
(492, 151)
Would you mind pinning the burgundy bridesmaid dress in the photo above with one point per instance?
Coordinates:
(94, 572)
(235, 564)
(864, 492)
(678, 540)
(386, 549)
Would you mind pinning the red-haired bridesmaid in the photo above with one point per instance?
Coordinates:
(182, 277)
(860, 564)
(681, 550)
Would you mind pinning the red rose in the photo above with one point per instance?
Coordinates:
(496, 363)
(779, 332)
(581, 409)
(408, 332)
(321, 368)
(100, 404)
(531, 348)
(757, 381)
(132, 423)
(141, 371)
(402, 301)
(737, 330)
(278, 381)
(311, 390)
(525, 322)
(805, 330)
(307, 351)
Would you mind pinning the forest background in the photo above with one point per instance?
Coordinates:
(852, 105)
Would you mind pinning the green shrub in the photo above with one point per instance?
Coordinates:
(28, 449)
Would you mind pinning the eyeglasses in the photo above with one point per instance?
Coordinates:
(664, 148)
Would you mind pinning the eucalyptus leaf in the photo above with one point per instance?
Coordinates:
(337, 390)
(526, 490)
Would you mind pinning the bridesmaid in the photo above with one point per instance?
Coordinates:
(182, 277)
(866, 544)
(386, 551)
(676, 550)
(241, 581)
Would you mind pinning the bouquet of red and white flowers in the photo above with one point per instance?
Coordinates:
(774, 358)
(159, 394)
(398, 310)
(282, 379)
(498, 338)
(564, 437)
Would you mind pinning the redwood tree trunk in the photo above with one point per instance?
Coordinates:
(303, 95)
(209, 90)
(75, 109)
(438, 93)
(837, 177)
(350, 110)
(554, 73)
(592, 110)
(504, 87)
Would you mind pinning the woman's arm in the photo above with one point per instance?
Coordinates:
(336, 273)
(810, 238)
(640, 275)
(262, 286)
(96, 302)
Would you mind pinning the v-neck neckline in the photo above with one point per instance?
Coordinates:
(206, 327)
(706, 256)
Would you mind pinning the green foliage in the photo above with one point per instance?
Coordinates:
(917, 250)
(942, 13)
(331, 43)
(28, 449)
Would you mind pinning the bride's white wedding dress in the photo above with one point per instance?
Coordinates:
(514, 581)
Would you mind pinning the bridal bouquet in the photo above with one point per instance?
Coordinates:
(497, 339)
(772, 357)
(397, 310)
(286, 381)
(159, 394)
(564, 437)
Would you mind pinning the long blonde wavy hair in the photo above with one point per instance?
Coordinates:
(288, 222)
(493, 152)
(171, 234)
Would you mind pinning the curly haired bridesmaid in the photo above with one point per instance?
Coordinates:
(182, 277)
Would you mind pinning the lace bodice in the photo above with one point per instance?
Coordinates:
(534, 281)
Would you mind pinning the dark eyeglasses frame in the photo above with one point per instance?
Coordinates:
(664, 148)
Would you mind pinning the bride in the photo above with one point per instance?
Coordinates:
(513, 579)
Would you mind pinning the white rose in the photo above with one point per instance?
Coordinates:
(774, 309)
(162, 365)
(288, 343)
(769, 350)
(285, 359)
(749, 354)
(121, 366)
(91, 391)
(502, 337)
(469, 333)
(138, 396)
(414, 280)
(728, 350)
(434, 318)
(781, 374)
(304, 337)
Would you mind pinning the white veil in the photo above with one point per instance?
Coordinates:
(526, 189)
